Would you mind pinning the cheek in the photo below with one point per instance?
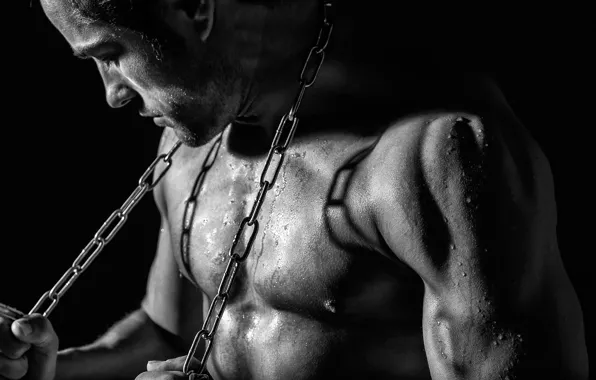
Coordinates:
(150, 82)
(137, 74)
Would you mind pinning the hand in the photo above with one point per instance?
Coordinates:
(28, 348)
(167, 370)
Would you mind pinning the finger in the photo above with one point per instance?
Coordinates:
(13, 368)
(176, 375)
(174, 364)
(38, 331)
(10, 346)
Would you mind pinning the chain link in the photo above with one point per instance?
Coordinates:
(287, 127)
(112, 225)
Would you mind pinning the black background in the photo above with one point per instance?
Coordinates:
(69, 161)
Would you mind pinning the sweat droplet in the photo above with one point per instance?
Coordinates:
(452, 246)
(500, 336)
(468, 199)
(464, 274)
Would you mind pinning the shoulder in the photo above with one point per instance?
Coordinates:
(438, 172)
(433, 149)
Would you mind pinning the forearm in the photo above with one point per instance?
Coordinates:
(543, 345)
(121, 353)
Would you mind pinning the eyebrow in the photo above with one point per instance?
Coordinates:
(85, 52)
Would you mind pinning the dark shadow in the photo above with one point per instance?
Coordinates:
(437, 237)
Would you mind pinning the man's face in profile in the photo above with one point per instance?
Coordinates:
(183, 82)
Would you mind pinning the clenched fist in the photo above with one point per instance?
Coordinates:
(28, 348)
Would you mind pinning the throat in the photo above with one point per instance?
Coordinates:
(248, 140)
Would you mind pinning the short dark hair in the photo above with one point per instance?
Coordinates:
(144, 18)
(126, 13)
(140, 16)
(136, 14)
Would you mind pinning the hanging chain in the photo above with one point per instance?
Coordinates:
(103, 236)
(249, 226)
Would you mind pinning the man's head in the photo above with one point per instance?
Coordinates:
(195, 65)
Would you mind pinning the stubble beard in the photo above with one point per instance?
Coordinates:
(212, 103)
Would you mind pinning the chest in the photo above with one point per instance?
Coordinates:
(310, 250)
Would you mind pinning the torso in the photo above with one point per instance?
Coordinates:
(315, 298)
(320, 295)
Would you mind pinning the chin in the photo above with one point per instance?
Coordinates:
(188, 139)
(193, 139)
(197, 134)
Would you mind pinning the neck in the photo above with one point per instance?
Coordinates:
(361, 99)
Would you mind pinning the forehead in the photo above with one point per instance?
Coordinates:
(75, 28)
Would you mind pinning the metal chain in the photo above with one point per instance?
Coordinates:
(103, 236)
(250, 225)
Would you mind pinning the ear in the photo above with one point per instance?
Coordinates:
(197, 14)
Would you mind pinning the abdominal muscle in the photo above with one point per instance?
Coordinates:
(264, 343)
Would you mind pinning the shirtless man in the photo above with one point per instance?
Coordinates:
(411, 232)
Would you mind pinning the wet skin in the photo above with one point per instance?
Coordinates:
(314, 297)
(332, 287)
(424, 245)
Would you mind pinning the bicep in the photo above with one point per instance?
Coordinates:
(486, 270)
(495, 308)
(163, 284)
(171, 301)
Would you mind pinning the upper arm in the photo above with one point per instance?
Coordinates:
(170, 301)
(476, 220)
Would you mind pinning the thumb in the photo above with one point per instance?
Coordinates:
(175, 364)
(38, 331)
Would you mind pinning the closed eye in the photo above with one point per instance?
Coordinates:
(104, 51)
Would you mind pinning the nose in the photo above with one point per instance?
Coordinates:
(118, 94)
(118, 89)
